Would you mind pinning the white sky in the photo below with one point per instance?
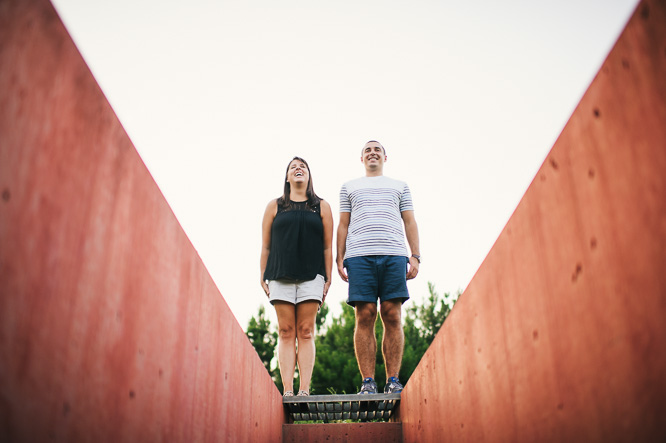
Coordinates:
(467, 97)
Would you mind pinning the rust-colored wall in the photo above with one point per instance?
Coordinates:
(561, 335)
(342, 432)
(111, 328)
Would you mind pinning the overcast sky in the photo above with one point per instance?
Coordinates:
(467, 97)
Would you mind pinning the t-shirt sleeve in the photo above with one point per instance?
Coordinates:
(345, 204)
(406, 200)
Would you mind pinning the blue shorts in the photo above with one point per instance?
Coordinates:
(377, 276)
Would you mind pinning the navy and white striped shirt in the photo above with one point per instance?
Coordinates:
(375, 224)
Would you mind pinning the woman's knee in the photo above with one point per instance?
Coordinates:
(286, 332)
(305, 331)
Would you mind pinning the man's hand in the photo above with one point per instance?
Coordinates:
(413, 268)
(264, 286)
(343, 227)
(412, 233)
(341, 270)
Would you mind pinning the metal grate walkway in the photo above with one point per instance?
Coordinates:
(341, 407)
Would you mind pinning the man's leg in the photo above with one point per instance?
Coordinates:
(393, 342)
(306, 312)
(365, 343)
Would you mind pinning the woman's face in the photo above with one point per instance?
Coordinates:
(297, 172)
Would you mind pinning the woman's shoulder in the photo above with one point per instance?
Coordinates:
(272, 206)
(325, 209)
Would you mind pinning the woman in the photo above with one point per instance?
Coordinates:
(296, 262)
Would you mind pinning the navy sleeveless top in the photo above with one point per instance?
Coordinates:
(297, 243)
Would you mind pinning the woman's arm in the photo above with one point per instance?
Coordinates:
(327, 220)
(266, 225)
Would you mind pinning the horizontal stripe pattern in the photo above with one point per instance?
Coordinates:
(375, 225)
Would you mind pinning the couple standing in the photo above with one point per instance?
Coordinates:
(296, 263)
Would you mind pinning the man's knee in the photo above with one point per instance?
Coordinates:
(366, 314)
(391, 313)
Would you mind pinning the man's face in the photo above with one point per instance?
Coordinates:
(373, 156)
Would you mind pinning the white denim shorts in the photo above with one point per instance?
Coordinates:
(296, 292)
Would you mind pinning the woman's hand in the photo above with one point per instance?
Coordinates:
(326, 286)
(264, 286)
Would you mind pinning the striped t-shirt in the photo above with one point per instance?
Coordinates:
(375, 224)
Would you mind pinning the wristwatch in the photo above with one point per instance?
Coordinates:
(417, 257)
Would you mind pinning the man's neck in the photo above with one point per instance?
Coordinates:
(377, 173)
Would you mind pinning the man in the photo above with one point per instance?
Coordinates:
(373, 258)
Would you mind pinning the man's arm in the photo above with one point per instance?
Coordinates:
(343, 228)
(412, 233)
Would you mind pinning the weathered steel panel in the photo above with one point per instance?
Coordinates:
(343, 432)
(111, 329)
(560, 336)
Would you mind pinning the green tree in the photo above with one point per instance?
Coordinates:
(421, 324)
(320, 321)
(263, 339)
(336, 370)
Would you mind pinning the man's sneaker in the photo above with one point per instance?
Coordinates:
(393, 386)
(369, 386)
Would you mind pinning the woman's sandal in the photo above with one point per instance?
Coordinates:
(302, 393)
(288, 394)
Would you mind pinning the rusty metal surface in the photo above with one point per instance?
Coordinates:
(111, 328)
(342, 432)
(560, 336)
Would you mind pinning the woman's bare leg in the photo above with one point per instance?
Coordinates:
(306, 313)
(286, 315)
